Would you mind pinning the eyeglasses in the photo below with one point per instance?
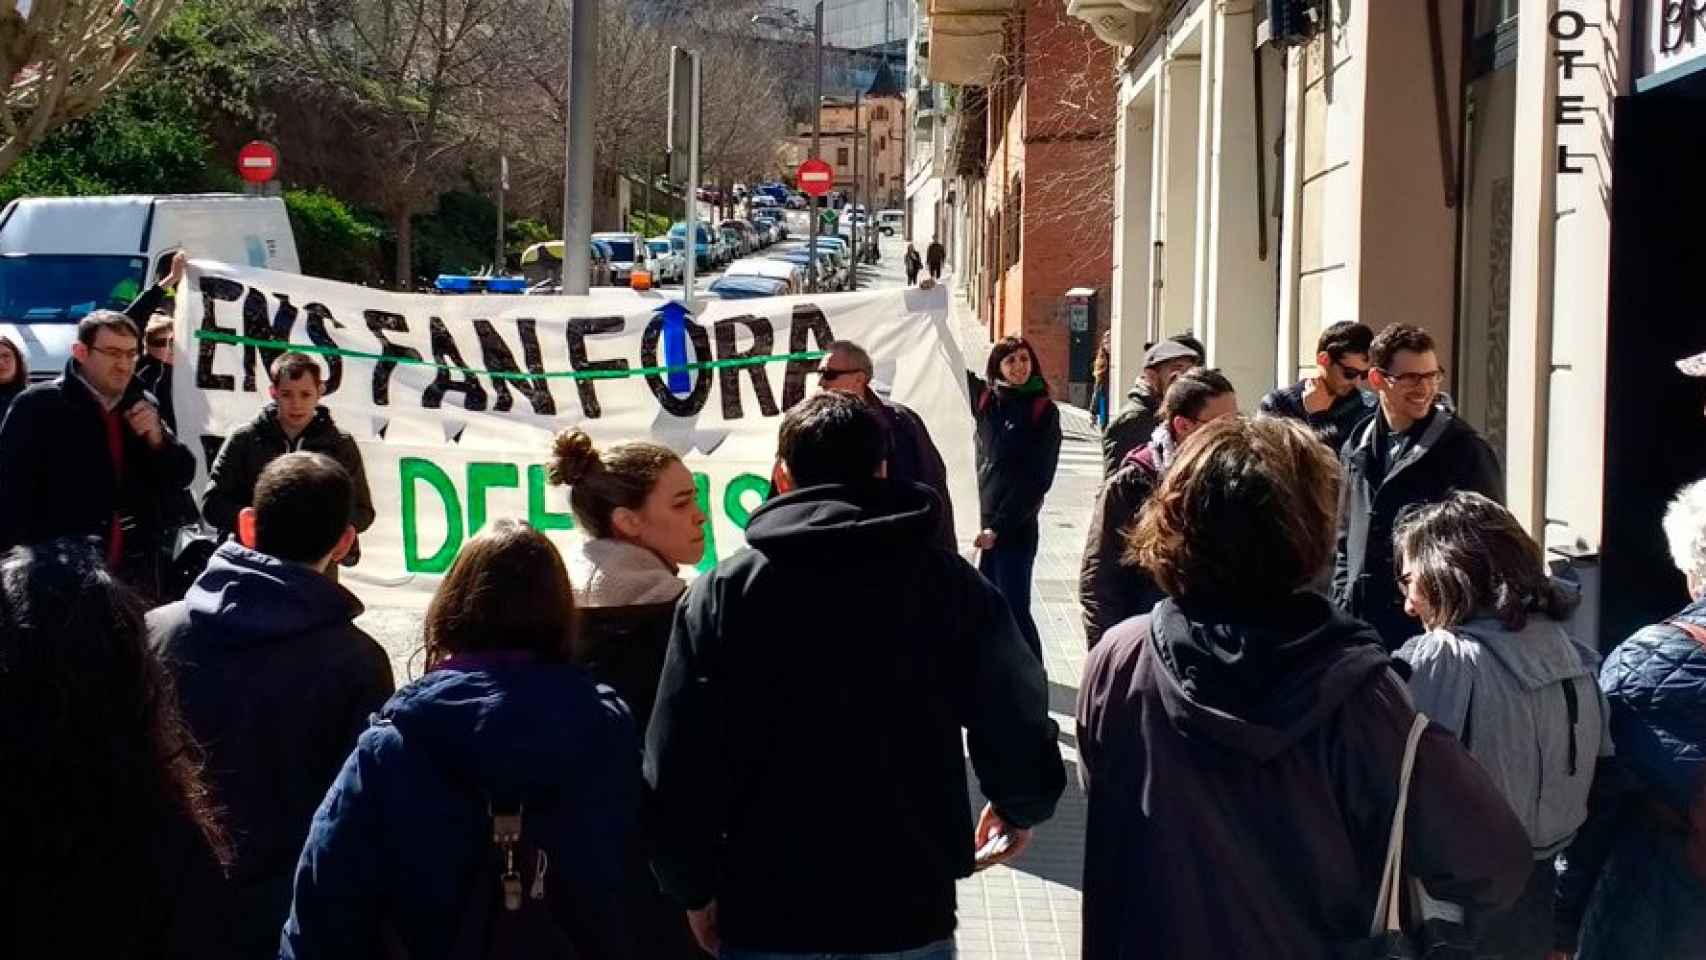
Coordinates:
(1410, 381)
(1351, 373)
(115, 354)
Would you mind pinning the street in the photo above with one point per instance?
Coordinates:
(1029, 909)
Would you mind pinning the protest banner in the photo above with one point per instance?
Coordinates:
(453, 400)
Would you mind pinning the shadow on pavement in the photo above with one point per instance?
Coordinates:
(1056, 853)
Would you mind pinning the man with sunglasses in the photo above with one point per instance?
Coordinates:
(89, 456)
(910, 452)
(1414, 450)
(1330, 401)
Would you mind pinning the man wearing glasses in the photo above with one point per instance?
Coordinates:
(1413, 450)
(911, 454)
(1329, 402)
(88, 456)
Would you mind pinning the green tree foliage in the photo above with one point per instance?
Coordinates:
(331, 239)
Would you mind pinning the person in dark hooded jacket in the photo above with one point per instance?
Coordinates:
(275, 681)
(1135, 423)
(294, 420)
(1110, 589)
(401, 854)
(1018, 449)
(1330, 401)
(1241, 745)
(14, 374)
(842, 828)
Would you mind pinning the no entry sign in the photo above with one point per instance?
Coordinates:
(257, 162)
(815, 177)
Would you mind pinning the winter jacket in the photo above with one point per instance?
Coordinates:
(626, 595)
(57, 477)
(275, 682)
(1242, 771)
(1018, 448)
(805, 754)
(1446, 455)
(1111, 590)
(247, 451)
(156, 378)
(404, 831)
(1527, 705)
(1333, 425)
(1131, 427)
(936, 255)
(608, 572)
(913, 458)
(1635, 879)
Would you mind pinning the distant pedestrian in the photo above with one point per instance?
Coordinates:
(806, 755)
(155, 367)
(1018, 449)
(276, 682)
(14, 374)
(294, 420)
(89, 456)
(913, 263)
(1640, 891)
(1498, 669)
(1331, 400)
(1111, 589)
(403, 856)
(909, 451)
(110, 843)
(1099, 371)
(1412, 451)
(1240, 745)
(1135, 424)
(935, 255)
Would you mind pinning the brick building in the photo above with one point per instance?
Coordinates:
(1029, 202)
(877, 132)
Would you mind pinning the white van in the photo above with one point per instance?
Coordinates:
(61, 257)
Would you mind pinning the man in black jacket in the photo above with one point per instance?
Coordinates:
(1110, 589)
(275, 682)
(805, 753)
(911, 455)
(294, 420)
(1414, 450)
(1135, 424)
(935, 256)
(88, 456)
(1330, 401)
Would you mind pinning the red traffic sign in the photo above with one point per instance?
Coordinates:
(257, 162)
(815, 177)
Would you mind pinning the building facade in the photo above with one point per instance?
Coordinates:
(872, 132)
(926, 137)
(1027, 192)
(1507, 176)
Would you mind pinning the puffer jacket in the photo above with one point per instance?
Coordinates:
(1656, 684)
(231, 478)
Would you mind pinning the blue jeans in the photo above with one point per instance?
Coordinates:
(943, 950)
(1008, 566)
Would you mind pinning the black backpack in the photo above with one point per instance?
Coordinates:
(508, 913)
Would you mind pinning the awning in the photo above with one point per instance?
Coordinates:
(1119, 23)
(966, 37)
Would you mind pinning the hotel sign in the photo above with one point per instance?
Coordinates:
(1674, 33)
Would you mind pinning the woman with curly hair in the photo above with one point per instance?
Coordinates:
(14, 374)
(110, 845)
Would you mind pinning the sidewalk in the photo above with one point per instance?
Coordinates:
(1030, 909)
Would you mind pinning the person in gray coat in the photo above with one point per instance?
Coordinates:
(1498, 668)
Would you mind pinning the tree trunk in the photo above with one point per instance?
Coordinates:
(405, 226)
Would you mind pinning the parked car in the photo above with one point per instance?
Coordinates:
(828, 274)
(628, 252)
(746, 287)
(62, 257)
(707, 246)
(763, 201)
(798, 201)
(777, 222)
(543, 263)
(666, 253)
(891, 221)
(793, 273)
(733, 242)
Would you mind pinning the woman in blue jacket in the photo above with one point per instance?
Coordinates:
(400, 852)
(1649, 899)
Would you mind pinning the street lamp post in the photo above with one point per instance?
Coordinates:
(817, 122)
(578, 154)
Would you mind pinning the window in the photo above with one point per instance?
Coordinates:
(880, 113)
(882, 144)
(881, 180)
(841, 156)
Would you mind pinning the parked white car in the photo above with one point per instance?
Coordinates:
(793, 273)
(671, 266)
(628, 252)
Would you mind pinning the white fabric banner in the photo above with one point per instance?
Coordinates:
(454, 400)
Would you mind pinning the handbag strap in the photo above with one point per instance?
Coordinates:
(1386, 908)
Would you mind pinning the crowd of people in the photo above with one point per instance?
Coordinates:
(1322, 655)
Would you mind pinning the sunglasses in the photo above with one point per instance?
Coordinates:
(830, 373)
(1351, 373)
(161, 342)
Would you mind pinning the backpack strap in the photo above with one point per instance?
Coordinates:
(1693, 630)
(1573, 710)
(1039, 408)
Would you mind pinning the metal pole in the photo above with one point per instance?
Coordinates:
(853, 203)
(690, 246)
(503, 188)
(578, 158)
(817, 117)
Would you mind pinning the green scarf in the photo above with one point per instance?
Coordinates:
(1029, 388)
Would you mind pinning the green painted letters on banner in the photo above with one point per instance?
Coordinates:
(412, 469)
(539, 517)
(734, 496)
(482, 477)
(709, 558)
